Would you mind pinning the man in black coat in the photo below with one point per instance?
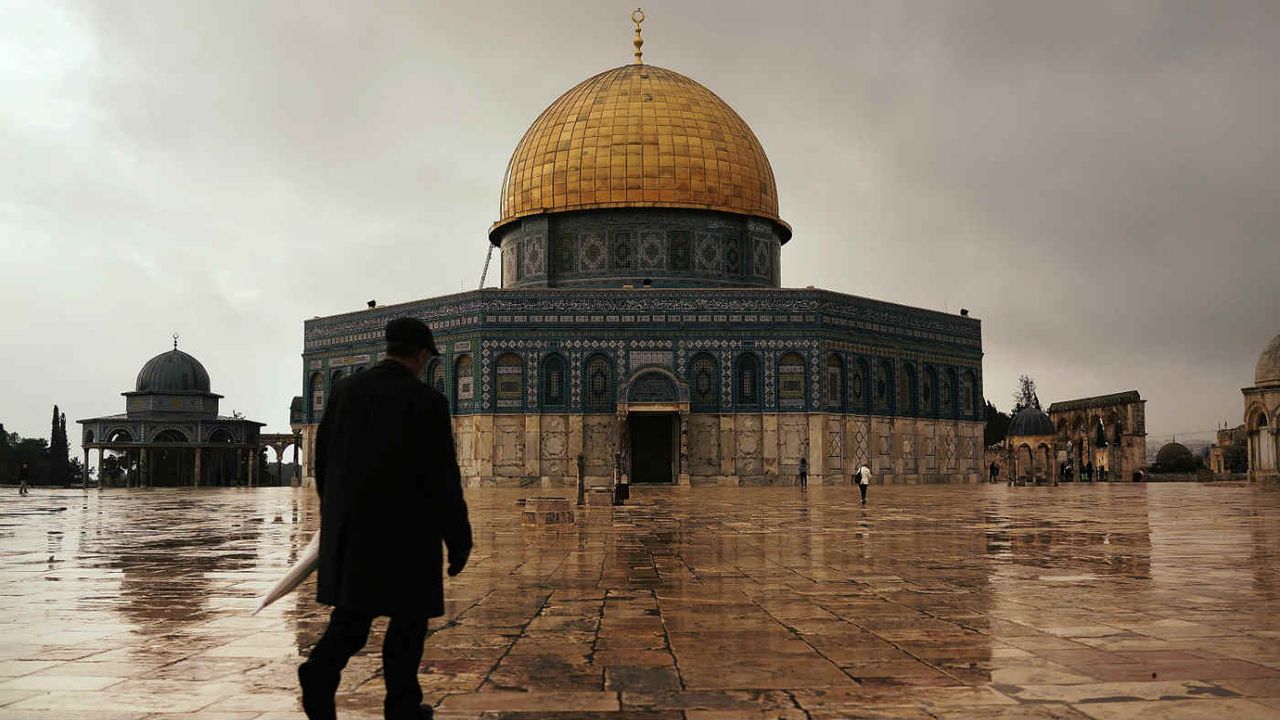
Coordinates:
(390, 491)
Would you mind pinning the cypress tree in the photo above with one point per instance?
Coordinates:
(58, 450)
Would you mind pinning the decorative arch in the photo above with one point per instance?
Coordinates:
(1256, 417)
(859, 389)
(315, 396)
(746, 381)
(597, 384)
(119, 435)
(555, 390)
(947, 392)
(704, 382)
(791, 380)
(653, 386)
(882, 386)
(1024, 461)
(906, 399)
(435, 376)
(464, 382)
(334, 377)
(968, 397)
(170, 435)
(508, 382)
(221, 435)
(834, 377)
(929, 391)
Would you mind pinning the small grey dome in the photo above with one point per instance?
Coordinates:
(1174, 454)
(1030, 421)
(1268, 371)
(173, 372)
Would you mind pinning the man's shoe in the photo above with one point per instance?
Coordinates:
(317, 693)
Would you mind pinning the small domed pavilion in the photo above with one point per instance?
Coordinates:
(1030, 446)
(171, 434)
(1262, 414)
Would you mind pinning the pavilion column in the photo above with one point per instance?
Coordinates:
(195, 481)
(295, 476)
(279, 465)
(86, 467)
(99, 467)
(239, 466)
(253, 468)
(144, 467)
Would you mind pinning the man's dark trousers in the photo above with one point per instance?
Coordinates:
(345, 636)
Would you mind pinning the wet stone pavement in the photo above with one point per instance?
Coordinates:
(1108, 601)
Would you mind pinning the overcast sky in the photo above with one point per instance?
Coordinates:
(1099, 183)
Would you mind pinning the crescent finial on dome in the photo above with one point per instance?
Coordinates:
(637, 17)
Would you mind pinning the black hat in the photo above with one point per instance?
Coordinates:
(411, 333)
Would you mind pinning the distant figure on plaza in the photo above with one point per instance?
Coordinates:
(390, 491)
(24, 479)
(804, 472)
(1088, 472)
(994, 472)
(864, 479)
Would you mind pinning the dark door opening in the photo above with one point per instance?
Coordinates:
(651, 451)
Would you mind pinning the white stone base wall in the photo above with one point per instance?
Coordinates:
(518, 450)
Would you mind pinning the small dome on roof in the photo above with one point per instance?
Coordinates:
(1030, 421)
(173, 372)
(1268, 370)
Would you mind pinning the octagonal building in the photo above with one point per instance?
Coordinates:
(641, 322)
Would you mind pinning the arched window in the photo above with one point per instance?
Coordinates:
(509, 380)
(929, 391)
(858, 395)
(947, 392)
(791, 380)
(968, 407)
(315, 391)
(464, 383)
(437, 377)
(597, 380)
(334, 377)
(169, 436)
(835, 382)
(748, 380)
(704, 383)
(554, 393)
(907, 390)
(883, 386)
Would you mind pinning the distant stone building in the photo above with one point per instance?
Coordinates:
(642, 324)
(1262, 414)
(1230, 451)
(1109, 431)
(171, 433)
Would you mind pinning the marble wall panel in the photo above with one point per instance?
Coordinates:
(748, 431)
(704, 445)
(508, 445)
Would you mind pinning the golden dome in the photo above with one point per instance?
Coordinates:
(639, 136)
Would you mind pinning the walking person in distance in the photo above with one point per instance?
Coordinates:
(863, 478)
(804, 472)
(390, 492)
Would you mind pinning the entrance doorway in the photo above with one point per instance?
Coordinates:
(652, 447)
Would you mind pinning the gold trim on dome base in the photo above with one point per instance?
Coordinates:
(639, 136)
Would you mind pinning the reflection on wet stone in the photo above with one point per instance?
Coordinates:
(1118, 601)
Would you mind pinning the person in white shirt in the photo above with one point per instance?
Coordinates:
(863, 478)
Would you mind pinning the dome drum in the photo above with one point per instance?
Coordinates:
(613, 247)
(1267, 371)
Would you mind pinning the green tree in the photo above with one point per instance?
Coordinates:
(58, 450)
(997, 426)
(1026, 396)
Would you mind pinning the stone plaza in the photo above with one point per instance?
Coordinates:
(939, 601)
